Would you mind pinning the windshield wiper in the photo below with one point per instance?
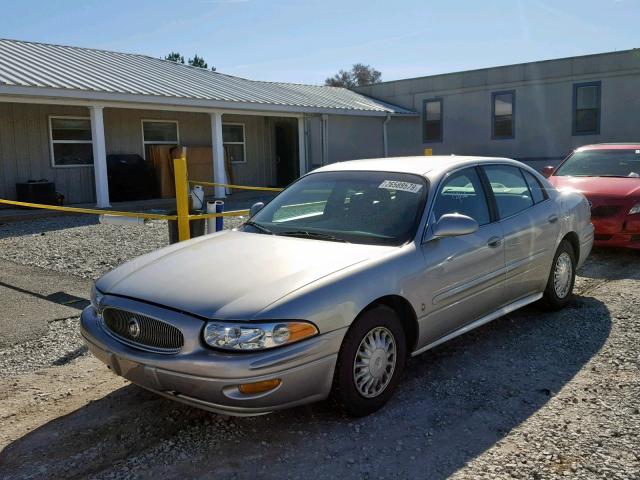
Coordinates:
(257, 226)
(316, 235)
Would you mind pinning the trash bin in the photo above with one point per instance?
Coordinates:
(195, 226)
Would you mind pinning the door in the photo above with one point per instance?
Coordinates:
(463, 278)
(530, 229)
(286, 152)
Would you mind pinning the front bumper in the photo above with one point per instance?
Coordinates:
(619, 231)
(208, 379)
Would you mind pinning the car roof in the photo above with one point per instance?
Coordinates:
(609, 146)
(420, 165)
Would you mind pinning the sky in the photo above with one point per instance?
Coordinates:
(307, 41)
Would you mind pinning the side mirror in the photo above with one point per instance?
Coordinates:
(453, 225)
(548, 171)
(255, 208)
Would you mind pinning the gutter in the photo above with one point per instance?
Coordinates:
(62, 96)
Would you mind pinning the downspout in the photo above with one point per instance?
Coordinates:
(325, 139)
(385, 145)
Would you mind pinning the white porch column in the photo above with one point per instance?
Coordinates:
(99, 157)
(302, 146)
(219, 173)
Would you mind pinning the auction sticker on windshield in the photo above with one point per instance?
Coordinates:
(402, 186)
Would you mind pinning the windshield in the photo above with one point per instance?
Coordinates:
(602, 163)
(378, 208)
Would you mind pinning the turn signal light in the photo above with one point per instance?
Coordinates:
(259, 387)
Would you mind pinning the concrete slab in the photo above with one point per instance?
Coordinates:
(31, 297)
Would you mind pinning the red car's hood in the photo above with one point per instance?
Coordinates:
(613, 187)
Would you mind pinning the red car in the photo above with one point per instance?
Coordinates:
(609, 176)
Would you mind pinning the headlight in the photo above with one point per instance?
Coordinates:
(256, 336)
(635, 209)
(96, 298)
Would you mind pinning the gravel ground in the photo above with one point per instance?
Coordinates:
(60, 345)
(533, 395)
(79, 245)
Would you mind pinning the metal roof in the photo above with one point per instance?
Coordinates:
(30, 68)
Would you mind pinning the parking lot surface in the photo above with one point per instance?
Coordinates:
(532, 395)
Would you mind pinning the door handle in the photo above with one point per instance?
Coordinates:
(553, 218)
(494, 242)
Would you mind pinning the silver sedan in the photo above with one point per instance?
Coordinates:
(327, 289)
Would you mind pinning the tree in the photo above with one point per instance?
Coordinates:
(175, 57)
(197, 61)
(360, 74)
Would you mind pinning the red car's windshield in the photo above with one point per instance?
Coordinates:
(601, 163)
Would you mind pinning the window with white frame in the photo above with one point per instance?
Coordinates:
(234, 142)
(159, 132)
(71, 144)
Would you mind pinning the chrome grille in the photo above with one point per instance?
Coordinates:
(142, 331)
(605, 211)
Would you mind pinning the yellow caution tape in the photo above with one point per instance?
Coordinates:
(240, 187)
(90, 211)
(204, 216)
(150, 216)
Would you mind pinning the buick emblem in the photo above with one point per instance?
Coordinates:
(134, 327)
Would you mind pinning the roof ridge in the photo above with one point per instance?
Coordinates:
(108, 72)
(75, 47)
(129, 54)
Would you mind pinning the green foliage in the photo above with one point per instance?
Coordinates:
(196, 61)
(360, 74)
(175, 57)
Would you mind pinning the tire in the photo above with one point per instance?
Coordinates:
(350, 381)
(558, 293)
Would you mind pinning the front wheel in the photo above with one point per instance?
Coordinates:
(562, 277)
(370, 362)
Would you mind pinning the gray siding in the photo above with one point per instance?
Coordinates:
(313, 126)
(403, 136)
(25, 149)
(543, 111)
(259, 169)
(123, 128)
(351, 138)
(25, 153)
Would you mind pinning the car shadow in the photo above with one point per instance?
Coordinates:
(454, 403)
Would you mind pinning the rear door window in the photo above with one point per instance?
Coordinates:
(509, 188)
(538, 192)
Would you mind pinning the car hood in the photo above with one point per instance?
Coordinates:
(232, 274)
(613, 187)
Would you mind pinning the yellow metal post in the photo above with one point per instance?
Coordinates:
(182, 197)
(428, 152)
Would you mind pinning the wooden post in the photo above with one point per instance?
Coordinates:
(182, 197)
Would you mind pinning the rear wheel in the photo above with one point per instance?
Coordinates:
(370, 362)
(562, 277)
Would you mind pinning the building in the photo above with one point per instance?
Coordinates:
(63, 110)
(535, 112)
